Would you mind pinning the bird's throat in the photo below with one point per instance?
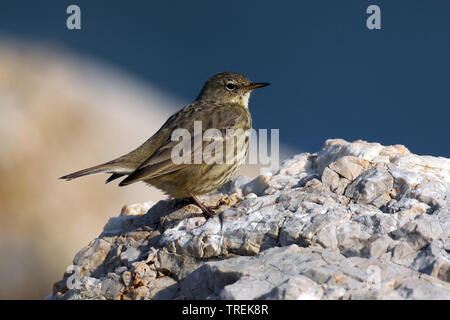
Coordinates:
(243, 101)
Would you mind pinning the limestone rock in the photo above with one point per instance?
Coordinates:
(354, 221)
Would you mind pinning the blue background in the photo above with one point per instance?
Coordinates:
(331, 76)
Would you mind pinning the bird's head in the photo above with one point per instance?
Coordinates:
(229, 87)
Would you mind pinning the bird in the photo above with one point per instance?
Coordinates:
(221, 105)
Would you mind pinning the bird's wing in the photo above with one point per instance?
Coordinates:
(158, 164)
(161, 161)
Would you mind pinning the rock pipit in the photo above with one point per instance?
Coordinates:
(222, 106)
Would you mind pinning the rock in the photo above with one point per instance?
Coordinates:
(111, 288)
(257, 185)
(296, 288)
(129, 255)
(372, 186)
(354, 221)
(377, 247)
(349, 167)
(337, 184)
(235, 186)
(90, 259)
(136, 209)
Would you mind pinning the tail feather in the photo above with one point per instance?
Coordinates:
(110, 167)
(93, 170)
(114, 176)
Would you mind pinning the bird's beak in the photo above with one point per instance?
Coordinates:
(253, 85)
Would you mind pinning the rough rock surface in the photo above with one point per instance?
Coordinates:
(354, 221)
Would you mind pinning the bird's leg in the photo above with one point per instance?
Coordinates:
(208, 213)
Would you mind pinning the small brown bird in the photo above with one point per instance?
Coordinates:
(223, 105)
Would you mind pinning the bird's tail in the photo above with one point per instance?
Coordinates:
(109, 167)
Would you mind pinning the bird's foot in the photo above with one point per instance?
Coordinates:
(207, 212)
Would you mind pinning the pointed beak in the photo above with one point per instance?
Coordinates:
(253, 85)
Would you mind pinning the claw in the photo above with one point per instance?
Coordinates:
(207, 212)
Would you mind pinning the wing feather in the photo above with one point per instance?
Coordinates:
(160, 162)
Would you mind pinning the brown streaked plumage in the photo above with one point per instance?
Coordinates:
(222, 104)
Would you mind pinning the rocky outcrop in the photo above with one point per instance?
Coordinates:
(354, 221)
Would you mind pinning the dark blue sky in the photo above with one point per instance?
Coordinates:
(331, 76)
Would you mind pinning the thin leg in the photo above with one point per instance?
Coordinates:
(206, 211)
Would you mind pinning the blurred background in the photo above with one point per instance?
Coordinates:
(70, 99)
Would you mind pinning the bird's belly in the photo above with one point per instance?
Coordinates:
(198, 178)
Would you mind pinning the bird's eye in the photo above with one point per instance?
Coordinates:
(230, 86)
